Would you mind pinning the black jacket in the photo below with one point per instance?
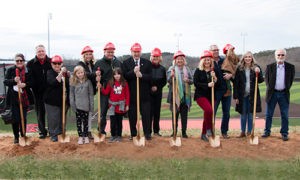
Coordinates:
(145, 82)
(53, 93)
(38, 73)
(106, 68)
(12, 96)
(270, 79)
(159, 78)
(90, 74)
(201, 80)
(239, 86)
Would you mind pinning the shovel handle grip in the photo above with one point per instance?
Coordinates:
(256, 74)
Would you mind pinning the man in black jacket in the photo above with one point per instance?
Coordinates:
(279, 77)
(106, 65)
(37, 68)
(134, 67)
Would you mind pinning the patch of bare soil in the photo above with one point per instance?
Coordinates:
(159, 147)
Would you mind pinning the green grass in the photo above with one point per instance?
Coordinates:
(28, 167)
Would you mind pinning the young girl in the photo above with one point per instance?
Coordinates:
(81, 101)
(118, 92)
(184, 79)
(243, 92)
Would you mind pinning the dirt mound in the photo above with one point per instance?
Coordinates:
(270, 148)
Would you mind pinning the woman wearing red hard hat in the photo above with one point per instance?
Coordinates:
(203, 85)
(87, 62)
(53, 96)
(183, 81)
(158, 81)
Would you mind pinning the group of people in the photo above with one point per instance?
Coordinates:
(43, 79)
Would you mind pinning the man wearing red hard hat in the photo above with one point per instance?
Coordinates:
(134, 67)
(106, 65)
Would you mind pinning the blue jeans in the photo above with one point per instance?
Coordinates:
(226, 103)
(246, 116)
(282, 99)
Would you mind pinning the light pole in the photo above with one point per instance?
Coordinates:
(244, 38)
(177, 35)
(49, 18)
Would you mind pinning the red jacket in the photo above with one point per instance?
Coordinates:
(117, 93)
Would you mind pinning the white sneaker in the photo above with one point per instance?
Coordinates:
(80, 140)
(86, 140)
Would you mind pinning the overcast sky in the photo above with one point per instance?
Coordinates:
(263, 24)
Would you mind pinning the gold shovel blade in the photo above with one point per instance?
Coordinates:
(214, 141)
(99, 138)
(254, 140)
(139, 141)
(24, 141)
(175, 142)
(64, 138)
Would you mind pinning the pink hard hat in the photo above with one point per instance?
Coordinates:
(178, 53)
(109, 46)
(206, 53)
(227, 47)
(57, 59)
(87, 49)
(156, 52)
(136, 47)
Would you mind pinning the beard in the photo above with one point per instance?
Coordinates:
(279, 61)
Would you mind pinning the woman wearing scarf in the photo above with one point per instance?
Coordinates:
(14, 82)
(183, 81)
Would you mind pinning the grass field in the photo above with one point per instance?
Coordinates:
(27, 167)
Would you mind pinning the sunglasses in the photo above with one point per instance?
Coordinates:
(280, 54)
(19, 60)
(55, 63)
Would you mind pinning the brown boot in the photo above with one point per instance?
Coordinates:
(248, 133)
(90, 136)
(242, 135)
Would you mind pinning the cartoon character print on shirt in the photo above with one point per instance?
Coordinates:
(117, 89)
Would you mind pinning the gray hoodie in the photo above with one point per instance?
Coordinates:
(82, 96)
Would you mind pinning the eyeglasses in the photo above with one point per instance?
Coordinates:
(280, 54)
(56, 63)
(215, 50)
(19, 61)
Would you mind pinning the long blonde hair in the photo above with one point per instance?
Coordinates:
(242, 62)
(200, 66)
(74, 79)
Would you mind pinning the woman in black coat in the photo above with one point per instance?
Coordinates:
(88, 63)
(243, 92)
(14, 82)
(158, 81)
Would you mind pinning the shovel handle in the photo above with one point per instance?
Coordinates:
(98, 103)
(254, 104)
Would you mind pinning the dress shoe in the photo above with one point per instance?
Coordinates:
(54, 139)
(42, 136)
(248, 133)
(242, 135)
(285, 137)
(148, 137)
(16, 141)
(265, 135)
(225, 136)
(204, 137)
(185, 136)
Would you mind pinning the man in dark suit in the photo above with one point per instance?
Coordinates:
(279, 78)
(134, 67)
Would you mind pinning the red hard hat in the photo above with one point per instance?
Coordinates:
(86, 49)
(109, 46)
(206, 53)
(57, 59)
(227, 47)
(156, 52)
(178, 53)
(136, 47)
